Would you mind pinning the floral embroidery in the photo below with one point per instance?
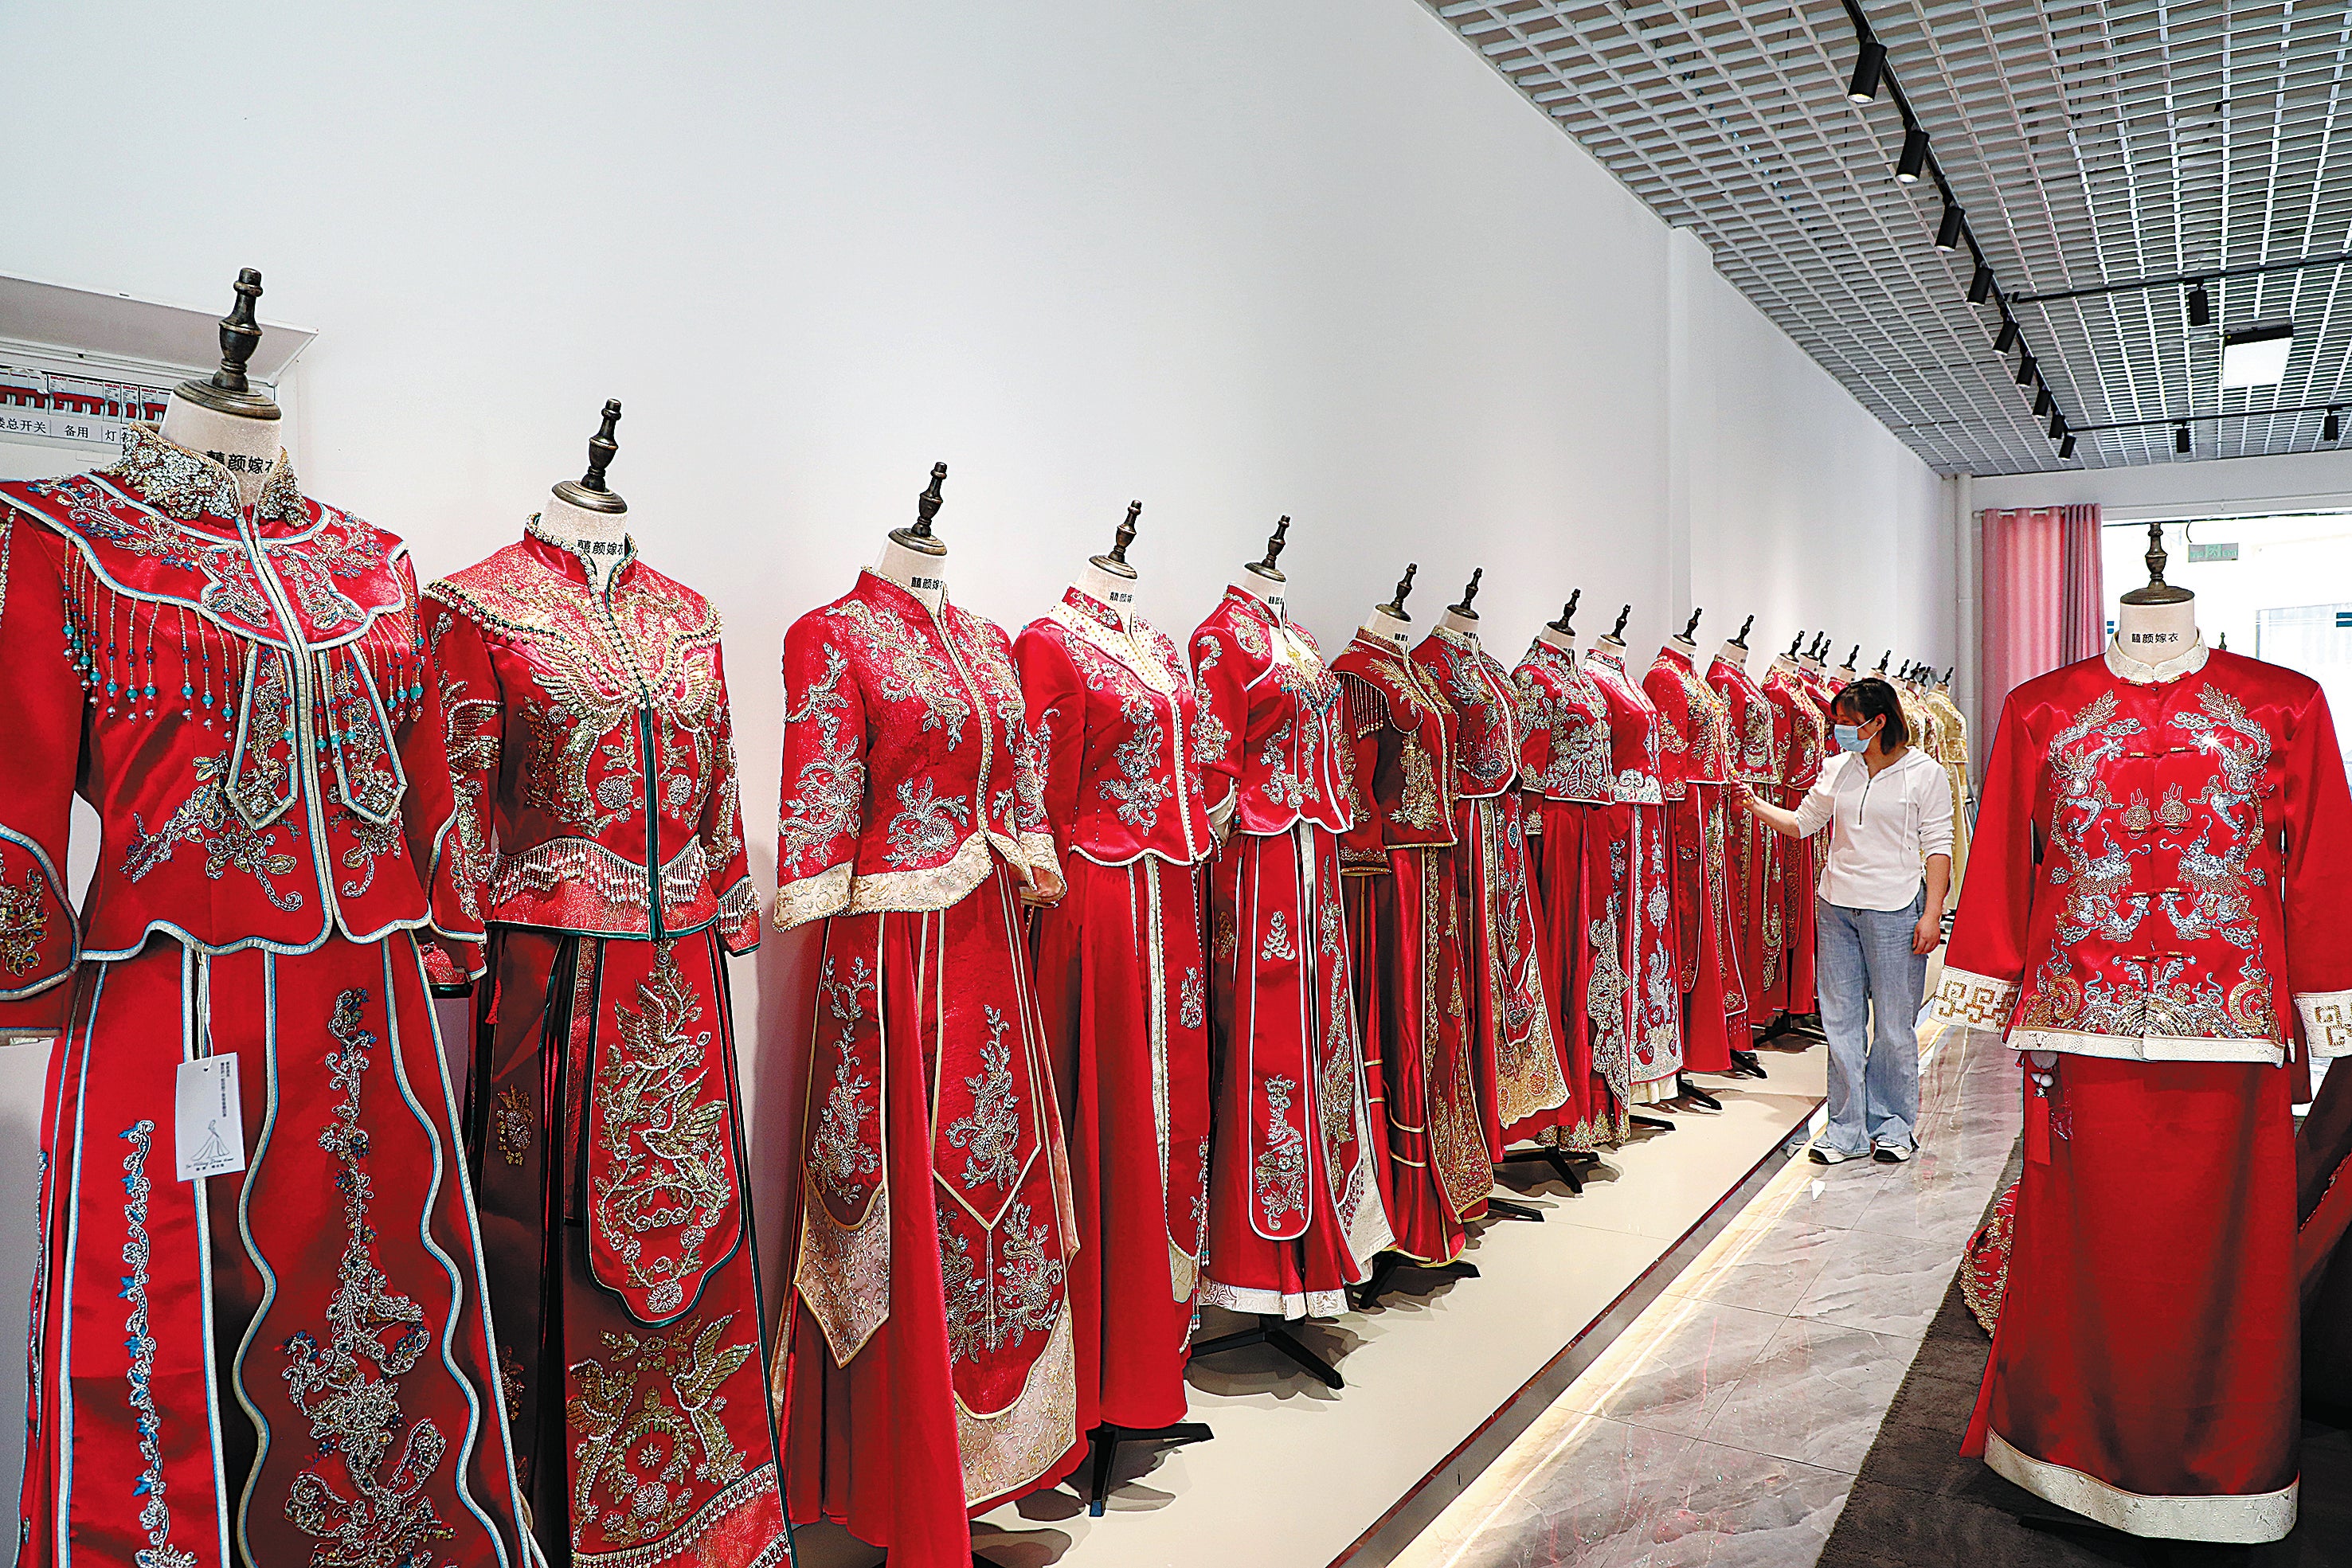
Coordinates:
(1417, 804)
(1210, 738)
(991, 1135)
(1277, 940)
(840, 1154)
(204, 819)
(1139, 791)
(24, 922)
(990, 1309)
(645, 1417)
(154, 1517)
(512, 1116)
(1281, 1167)
(1281, 786)
(1193, 999)
(908, 667)
(1222, 937)
(510, 1381)
(384, 1519)
(831, 784)
(927, 825)
(662, 1125)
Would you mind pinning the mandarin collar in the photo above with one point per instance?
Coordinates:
(901, 590)
(1237, 594)
(561, 558)
(1093, 608)
(2142, 673)
(1670, 654)
(189, 485)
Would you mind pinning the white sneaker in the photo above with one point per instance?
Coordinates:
(1823, 1155)
(1890, 1154)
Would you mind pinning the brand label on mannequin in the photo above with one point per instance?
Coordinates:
(932, 585)
(1122, 599)
(239, 462)
(2146, 637)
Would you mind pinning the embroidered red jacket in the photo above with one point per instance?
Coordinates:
(1403, 733)
(1565, 754)
(1636, 743)
(1694, 728)
(1272, 751)
(1801, 718)
(240, 695)
(2156, 872)
(908, 759)
(592, 750)
(1480, 689)
(1758, 733)
(1118, 727)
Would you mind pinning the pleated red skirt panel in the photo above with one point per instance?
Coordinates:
(2145, 1369)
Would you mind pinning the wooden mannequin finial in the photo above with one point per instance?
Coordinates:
(2157, 591)
(1469, 592)
(1796, 642)
(1395, 606)
(226, 390)
(1115, 563)
(1881, 662)
(1565, 625)
(588, 492)
(1690, 628)
(1273, 547)
(1853, 656)
(1741, 640)
(1617, 632)
(927, 506)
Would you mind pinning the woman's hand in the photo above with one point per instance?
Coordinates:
(1044, 890)
(1928, 934)
(1742, 795)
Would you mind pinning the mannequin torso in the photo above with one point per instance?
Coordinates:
(1387, 629)
(2154, 633)
(920, 572)
(1109, 588)
(1267, 591)
(1462, 625)
(247, 447)
(601, 540)
(1559, 639)
(1735, 655)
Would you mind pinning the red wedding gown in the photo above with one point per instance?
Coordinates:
(1697, 766)
(291, 1364)
(2175, 946)
(1635, 1004)
(603, 1124)
(1122, 978)
(933, 1370)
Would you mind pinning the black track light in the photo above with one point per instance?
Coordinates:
(1867, 68)
(2057, 424)
(2040, 402)
(1913, 161)
(2007, 339)
(2025, 370)
(1947, 233)
(2180, 438)
(2200, 306)
(1980, 286)
(2067, 447)
(2333, 429)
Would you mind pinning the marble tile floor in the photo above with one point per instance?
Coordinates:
(1725, 1425)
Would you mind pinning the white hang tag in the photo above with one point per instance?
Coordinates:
(208, 1119)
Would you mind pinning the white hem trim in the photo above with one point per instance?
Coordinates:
(2232, 1518)
(2148, 1048)
(1270, 1303)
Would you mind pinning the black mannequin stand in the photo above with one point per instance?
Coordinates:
(1102, 1447)
(1746, 1064)
(1806, 1026)
(1655, 1124)
(1388, 1265)
(1686, 1091)
(1504, 1209)
(1275, 1332)
(1563, 1163)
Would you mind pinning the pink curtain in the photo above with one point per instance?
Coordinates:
(2041, 600)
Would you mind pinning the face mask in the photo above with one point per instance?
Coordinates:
(1849, 737)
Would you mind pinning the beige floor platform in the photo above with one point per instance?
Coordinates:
(1437, 1383)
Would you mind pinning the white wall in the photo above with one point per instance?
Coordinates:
(1232, 258)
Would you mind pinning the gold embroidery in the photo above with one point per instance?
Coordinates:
(515, 1123)
(24, 920)
(647, 1427)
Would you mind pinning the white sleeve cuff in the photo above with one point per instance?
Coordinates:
(2326, 1022)
(1974, 1001)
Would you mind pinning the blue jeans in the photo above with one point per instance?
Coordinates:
(1870, 982)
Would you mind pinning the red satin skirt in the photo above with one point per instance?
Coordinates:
(302, 1344)
(1522, 1069)
(1122, 982)
(1570, 869)
(1404, 950)
(2144, 1371)
(1707, 929)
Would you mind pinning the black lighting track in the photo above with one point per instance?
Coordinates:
(2210, 418)
(2173, 280)
(1919, 157)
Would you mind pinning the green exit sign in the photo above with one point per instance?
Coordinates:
(2198, 554)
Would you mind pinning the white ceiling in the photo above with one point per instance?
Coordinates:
(2090, 145)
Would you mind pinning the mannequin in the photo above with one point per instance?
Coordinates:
(1388, 624)
(1684, 639)
(1107, 580)
(2158, 622)
(1561, 633)
(1734, 651)
(1460, 618)
(1262, 579)
(911, 558)
(584, 516)
(224, 417)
